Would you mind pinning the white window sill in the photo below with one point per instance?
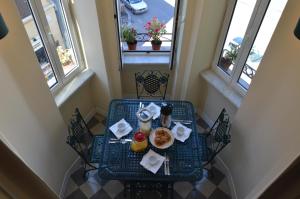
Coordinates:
(62, 96)
(220, 85)
(134, 59)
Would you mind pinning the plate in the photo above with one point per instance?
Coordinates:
(164, 146)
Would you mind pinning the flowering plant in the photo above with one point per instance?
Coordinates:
(65, 56)
(129, 34)
(155, 29)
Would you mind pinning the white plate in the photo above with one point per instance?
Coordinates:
(166, 145)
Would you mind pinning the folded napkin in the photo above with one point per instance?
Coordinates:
(186, 133)
(114, 129)
(155, 109)
(152, 161)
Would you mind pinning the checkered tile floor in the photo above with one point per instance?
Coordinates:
(215, 187)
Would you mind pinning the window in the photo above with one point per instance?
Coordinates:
(160, 16)
(49, 31)
(246, 33)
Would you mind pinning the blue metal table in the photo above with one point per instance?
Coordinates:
(118, 162)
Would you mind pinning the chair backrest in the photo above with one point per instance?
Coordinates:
(80, 138)
(218, 136)
(79, 129)
(151, 83)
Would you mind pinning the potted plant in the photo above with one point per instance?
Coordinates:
(229, 57)
(155, 30)
(129, 35)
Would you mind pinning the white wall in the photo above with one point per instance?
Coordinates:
(265, 132)
(207, 20)
(82, 99)
(185, 44)
(213, 103)
(86, 16)
(29, 118)
(105, 12)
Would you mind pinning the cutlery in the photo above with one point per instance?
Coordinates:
(165, 164)
(115, 139)
(117, 142)
(122, 141)
(168, 165)
(141, 105)
(182, 121)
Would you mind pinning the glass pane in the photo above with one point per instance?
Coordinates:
(261, 42)
(137, 13)
(236, 32)
(61, 35)
(36, 41)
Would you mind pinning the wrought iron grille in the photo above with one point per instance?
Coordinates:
(249, 71)
(151, 84)
(218, 136)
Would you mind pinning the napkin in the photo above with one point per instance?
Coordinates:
(155, 110)
(114, 129)
(186, 134)
(146, 162)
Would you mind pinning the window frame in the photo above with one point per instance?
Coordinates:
(174, 43)
(257, 17)
(39, 16)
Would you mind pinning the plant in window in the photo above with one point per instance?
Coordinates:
(129, 35)
(65, 56)
(155, 30)
(229, 56)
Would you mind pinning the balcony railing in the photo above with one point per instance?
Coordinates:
(246, 77)
(249, 71)
(144, 43)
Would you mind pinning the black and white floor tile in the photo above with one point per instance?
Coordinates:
(78, 187)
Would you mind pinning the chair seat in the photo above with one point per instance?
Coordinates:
(95, 150)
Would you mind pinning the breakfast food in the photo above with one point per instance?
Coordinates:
(161, 137)
(139, 142)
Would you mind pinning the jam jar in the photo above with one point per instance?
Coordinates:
(139, 142)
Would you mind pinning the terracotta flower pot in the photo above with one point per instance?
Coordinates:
(132, 46)
(156, 44)
(225, 63)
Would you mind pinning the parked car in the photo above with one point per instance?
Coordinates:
(136, 6)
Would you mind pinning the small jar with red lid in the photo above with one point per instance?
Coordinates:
(139, 142)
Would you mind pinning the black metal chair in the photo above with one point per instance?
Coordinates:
(80, 138)
(151, 83)
(215, 140)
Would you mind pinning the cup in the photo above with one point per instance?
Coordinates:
(121, 126)
(180, 131)
(152, 160)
